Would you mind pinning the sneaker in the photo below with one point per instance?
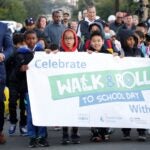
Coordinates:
(43, 142)
(12, 129)
(106, 137)
(148, 131)
(142, 137)
(65, 140)
(23, 130)
(95, 139)
(32, 143)
(57, 128)
(111, 131)
(75, 139)
(2, 139)
(126, 137)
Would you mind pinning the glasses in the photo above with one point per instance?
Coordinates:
(69, 38)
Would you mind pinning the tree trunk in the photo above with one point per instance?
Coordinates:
(117, 4)
(145, 8)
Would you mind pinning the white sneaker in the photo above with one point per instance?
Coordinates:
(57, 128)
(23, 130)
(12, 129)
(148, 131)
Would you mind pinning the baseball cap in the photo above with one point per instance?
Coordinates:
(29, 21)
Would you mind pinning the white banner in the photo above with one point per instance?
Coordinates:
(89, 90)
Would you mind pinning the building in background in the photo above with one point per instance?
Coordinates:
(70, 2)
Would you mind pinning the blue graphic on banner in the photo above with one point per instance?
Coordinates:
(111, 97)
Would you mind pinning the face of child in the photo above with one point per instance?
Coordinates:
(30, 27)
(148, 43)
(31, 40)
(130, 42)
(97, 42)
(69, 39)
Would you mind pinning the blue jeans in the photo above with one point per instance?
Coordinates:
(33, 131)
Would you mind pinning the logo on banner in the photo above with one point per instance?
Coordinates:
(101, 86)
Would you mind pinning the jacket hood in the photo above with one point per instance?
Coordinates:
(125, 34)
(99, 25)
(63, 45)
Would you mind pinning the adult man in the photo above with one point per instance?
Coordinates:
(6, 48)
(83, 26)
(84, 13)
(118, 22)
(55, 29)
(65, 21)
(128, 24)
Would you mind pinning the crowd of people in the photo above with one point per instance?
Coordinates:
(122, 35)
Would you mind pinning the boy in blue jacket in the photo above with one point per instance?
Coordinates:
(24, 56)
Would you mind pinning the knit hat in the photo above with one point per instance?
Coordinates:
(111, 18)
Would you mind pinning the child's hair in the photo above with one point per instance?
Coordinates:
(53, 47)
(147, 38)
(143, 24)
(140, 34)
(96, 33)
(29, 32)
(18, 38)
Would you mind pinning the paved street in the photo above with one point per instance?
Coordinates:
(18, 142)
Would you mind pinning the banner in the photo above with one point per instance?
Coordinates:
(89, 90)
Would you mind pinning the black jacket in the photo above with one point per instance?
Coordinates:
(17, 78)
(132, 52)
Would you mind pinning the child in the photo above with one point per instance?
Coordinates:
(129, 44)
(147, 46)
(52, 48)
(37, 134)
(116, 44)
(111, 43)
(141, 44)
(15, 92)
(97, 45)
(69, 43)
(95, 26)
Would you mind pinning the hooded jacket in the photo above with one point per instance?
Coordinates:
(101, 30)
(17, 78)
(133, 52)
(99, 25)
(63, 45)
(83, 27)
